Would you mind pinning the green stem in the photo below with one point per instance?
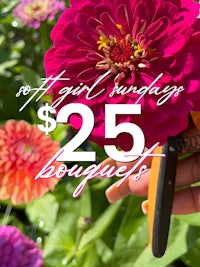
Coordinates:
(45, 36)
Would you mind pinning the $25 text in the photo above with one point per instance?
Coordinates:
(112, 130)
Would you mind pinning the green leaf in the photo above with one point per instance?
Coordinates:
(132, 247)
(60, 132)
(92, 259)
(8, 59)
(181, 238)
(43, 212)
(193, 219)
(132, 236)
(8, 6)
(30, 77)
(104, 252)
(60, 246)
(192, 257)
(98, 255)
(99, 227)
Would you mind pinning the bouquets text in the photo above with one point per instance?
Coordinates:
(112, 130)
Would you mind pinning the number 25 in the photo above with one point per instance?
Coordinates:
(111, 131)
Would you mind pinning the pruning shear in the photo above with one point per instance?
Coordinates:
(161, 189)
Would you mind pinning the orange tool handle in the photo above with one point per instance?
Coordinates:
(160, 197)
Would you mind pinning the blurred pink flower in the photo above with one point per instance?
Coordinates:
(33, 12)
(24, 152)
(136, 41)
(17, 250)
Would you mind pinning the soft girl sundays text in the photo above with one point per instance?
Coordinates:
(136, 153)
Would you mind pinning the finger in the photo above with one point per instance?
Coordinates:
(129, 165)
(186, 201)
(114, 193)
(130, 186)
(191, 139)
(188, 170)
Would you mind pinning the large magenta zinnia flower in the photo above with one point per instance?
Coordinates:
(133, 41)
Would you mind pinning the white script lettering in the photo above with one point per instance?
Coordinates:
(92, 171)
(163, 93)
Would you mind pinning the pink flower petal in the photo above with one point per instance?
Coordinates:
(173, 44)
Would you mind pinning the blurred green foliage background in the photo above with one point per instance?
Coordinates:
(87, 231)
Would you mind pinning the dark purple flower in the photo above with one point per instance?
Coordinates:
(17, 250)
(136, 45)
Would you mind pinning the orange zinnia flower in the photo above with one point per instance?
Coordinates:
(24, 150)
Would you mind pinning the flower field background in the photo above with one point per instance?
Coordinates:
(52, 228)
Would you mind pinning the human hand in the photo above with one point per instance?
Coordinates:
(187, 173)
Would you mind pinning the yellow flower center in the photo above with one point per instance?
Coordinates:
(103, 42)
(119, 52)
(28, 148)
(36, 9)
(124, 53)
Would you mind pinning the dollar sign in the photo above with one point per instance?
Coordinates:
(50, 123)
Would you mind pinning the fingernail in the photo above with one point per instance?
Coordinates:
(145, 207)
(114, 193)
